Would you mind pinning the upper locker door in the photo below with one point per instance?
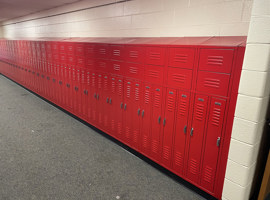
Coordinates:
(168, 126)
(196, 137)
(146, 119)
(156, 123)
(180, 131)
(212, 143)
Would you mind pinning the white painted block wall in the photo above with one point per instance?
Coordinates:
(253, 99)
(137, 18)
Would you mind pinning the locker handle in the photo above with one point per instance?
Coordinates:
(60, 82)
(218, 141)
(159, 118)
(68, 85)
(185, 129)
(76, 88)
(121, 105)
(164, 121)
(139, 112)
(97, 96)
(110, 101)
(107, 100)
(142, 113)
(125, 106)
(191, 132)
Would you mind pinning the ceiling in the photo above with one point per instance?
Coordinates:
(16, 8)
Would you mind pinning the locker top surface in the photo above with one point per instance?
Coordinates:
(226, 41)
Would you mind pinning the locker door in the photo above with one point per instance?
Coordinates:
(73, 90)
(168, 126)
(156, 122)
(81, 92)
(113, 105)
(180, 131)
(61, 86)
(85, 85)
(100, 99)
(118, 105)
(212, 143)
(105, 103)
(93, 96)
(196, 137)
(146, 119)
(136, 113)
(127, 107)
(69, 88)
(88, 99)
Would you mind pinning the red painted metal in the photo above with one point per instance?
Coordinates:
(171, 99)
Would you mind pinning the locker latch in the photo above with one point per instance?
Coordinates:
(110, 102)
(125, 106)
(185, 129)
(218, 141)
(139, 110)
(164, 121)
(107, 100)
(159, 118)
(191, 132)
(121, 105)
(142, 113)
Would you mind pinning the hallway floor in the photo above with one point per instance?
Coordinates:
(47, 154)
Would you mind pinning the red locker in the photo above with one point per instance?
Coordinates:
(105, 102)
(168, 126)
(180, 136)
(155, 55)
(147, 100)
(216, 60)
(213, 83)
(182, 57)
(154, 74)
(156, 122)
(212, 143)
(117, 52)
(117, 101)
(179, 78)
(196, 137)
(93, 89)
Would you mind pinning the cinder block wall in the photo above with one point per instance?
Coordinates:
(251, 108)
(142, 18)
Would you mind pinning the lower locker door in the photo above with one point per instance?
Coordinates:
(113, 105)
(156, 123)
(105, 104)
(118, 106)
(136, 114)
(196, 137)
(93, 97)
(180, 131)
(127, 121)
(100, 100)
(168, 127)
(146, 119)
(212, 143)
(85, 95)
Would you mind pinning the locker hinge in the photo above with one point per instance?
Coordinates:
(218, 141)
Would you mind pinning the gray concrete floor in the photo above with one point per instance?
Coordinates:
(47, 154)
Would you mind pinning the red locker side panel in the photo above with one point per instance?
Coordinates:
(155, 55)
(180, 136)
(216, 60)
(135, 54)
(196, 137)
(179, 78)
(154, 74)
(182, 57)
(168, 127)
(212, 143)
(213, 83)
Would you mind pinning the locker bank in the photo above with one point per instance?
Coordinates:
(189, 100)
